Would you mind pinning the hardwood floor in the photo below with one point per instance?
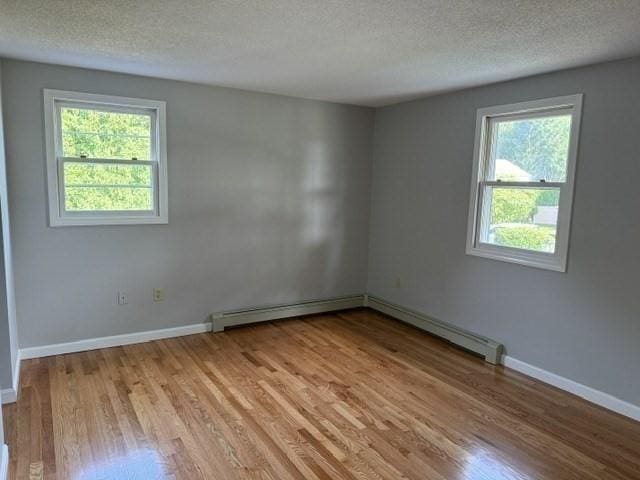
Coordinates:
(341, 396)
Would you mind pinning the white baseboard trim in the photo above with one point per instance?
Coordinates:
(10, 395)
(222, 320)
(4, 462)
(591, 394)
(489, 349)
(113, 341)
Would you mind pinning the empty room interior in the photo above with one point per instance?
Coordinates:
(319, 239)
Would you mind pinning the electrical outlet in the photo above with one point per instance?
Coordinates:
(122, 298)
(398, 282)
(158, 294)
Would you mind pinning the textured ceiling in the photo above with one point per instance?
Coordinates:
(367, 52)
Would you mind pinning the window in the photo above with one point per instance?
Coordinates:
(106, 159)
(522, 184)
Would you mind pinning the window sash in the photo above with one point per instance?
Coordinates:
(104, 107)
(151, 113)
(107, 213)
(487, 159)
(483, 215)
(516, 184)
(484, 212)
(543, 112)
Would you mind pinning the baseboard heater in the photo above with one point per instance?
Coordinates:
(489, 349)
(242, 317)
(486, 347)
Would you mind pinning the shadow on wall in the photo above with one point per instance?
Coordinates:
(268, 204)
(289, 231)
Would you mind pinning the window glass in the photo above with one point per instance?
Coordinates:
(107, 187)
(530, 149)
(104, 134)
(525, 218)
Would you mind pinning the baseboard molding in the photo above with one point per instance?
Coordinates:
(113, 341)
(10, 395)
(591, 394)
(489, 349)
(222, 320)
(4, 462)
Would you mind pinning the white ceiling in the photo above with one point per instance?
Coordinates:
(366, 52)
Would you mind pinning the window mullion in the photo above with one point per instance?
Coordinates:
(61, 186)
(512, 184)
(484, 212)
(156, 191)
(106, 161)
(486, 159)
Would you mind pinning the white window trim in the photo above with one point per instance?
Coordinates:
(556, 261)
(55, 184)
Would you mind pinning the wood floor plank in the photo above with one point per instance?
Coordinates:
(350, 395)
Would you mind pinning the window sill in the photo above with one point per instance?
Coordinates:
(94, 221)
(544, 261)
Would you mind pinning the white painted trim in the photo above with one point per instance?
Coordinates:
(113, 341)
(489, 349)
(264, 314)
(55, 186)
(10, 395)
(556, 261)
(591, 394)
(4, 462)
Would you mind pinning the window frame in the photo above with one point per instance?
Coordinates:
(54, 101)
(556, 261)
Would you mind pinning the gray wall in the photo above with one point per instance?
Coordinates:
(1, 432)
(583, 324)
(5, 344)
(8, 331)
(6, 351)
(268, 203)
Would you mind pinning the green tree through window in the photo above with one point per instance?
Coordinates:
(538, 148)
(96, 134)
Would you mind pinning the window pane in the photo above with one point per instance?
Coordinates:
(91, 199)
(97, 174)
(100, 134)
(99, 187)
(530, 149)
(523, 218)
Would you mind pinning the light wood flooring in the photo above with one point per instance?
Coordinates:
(353, 395)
